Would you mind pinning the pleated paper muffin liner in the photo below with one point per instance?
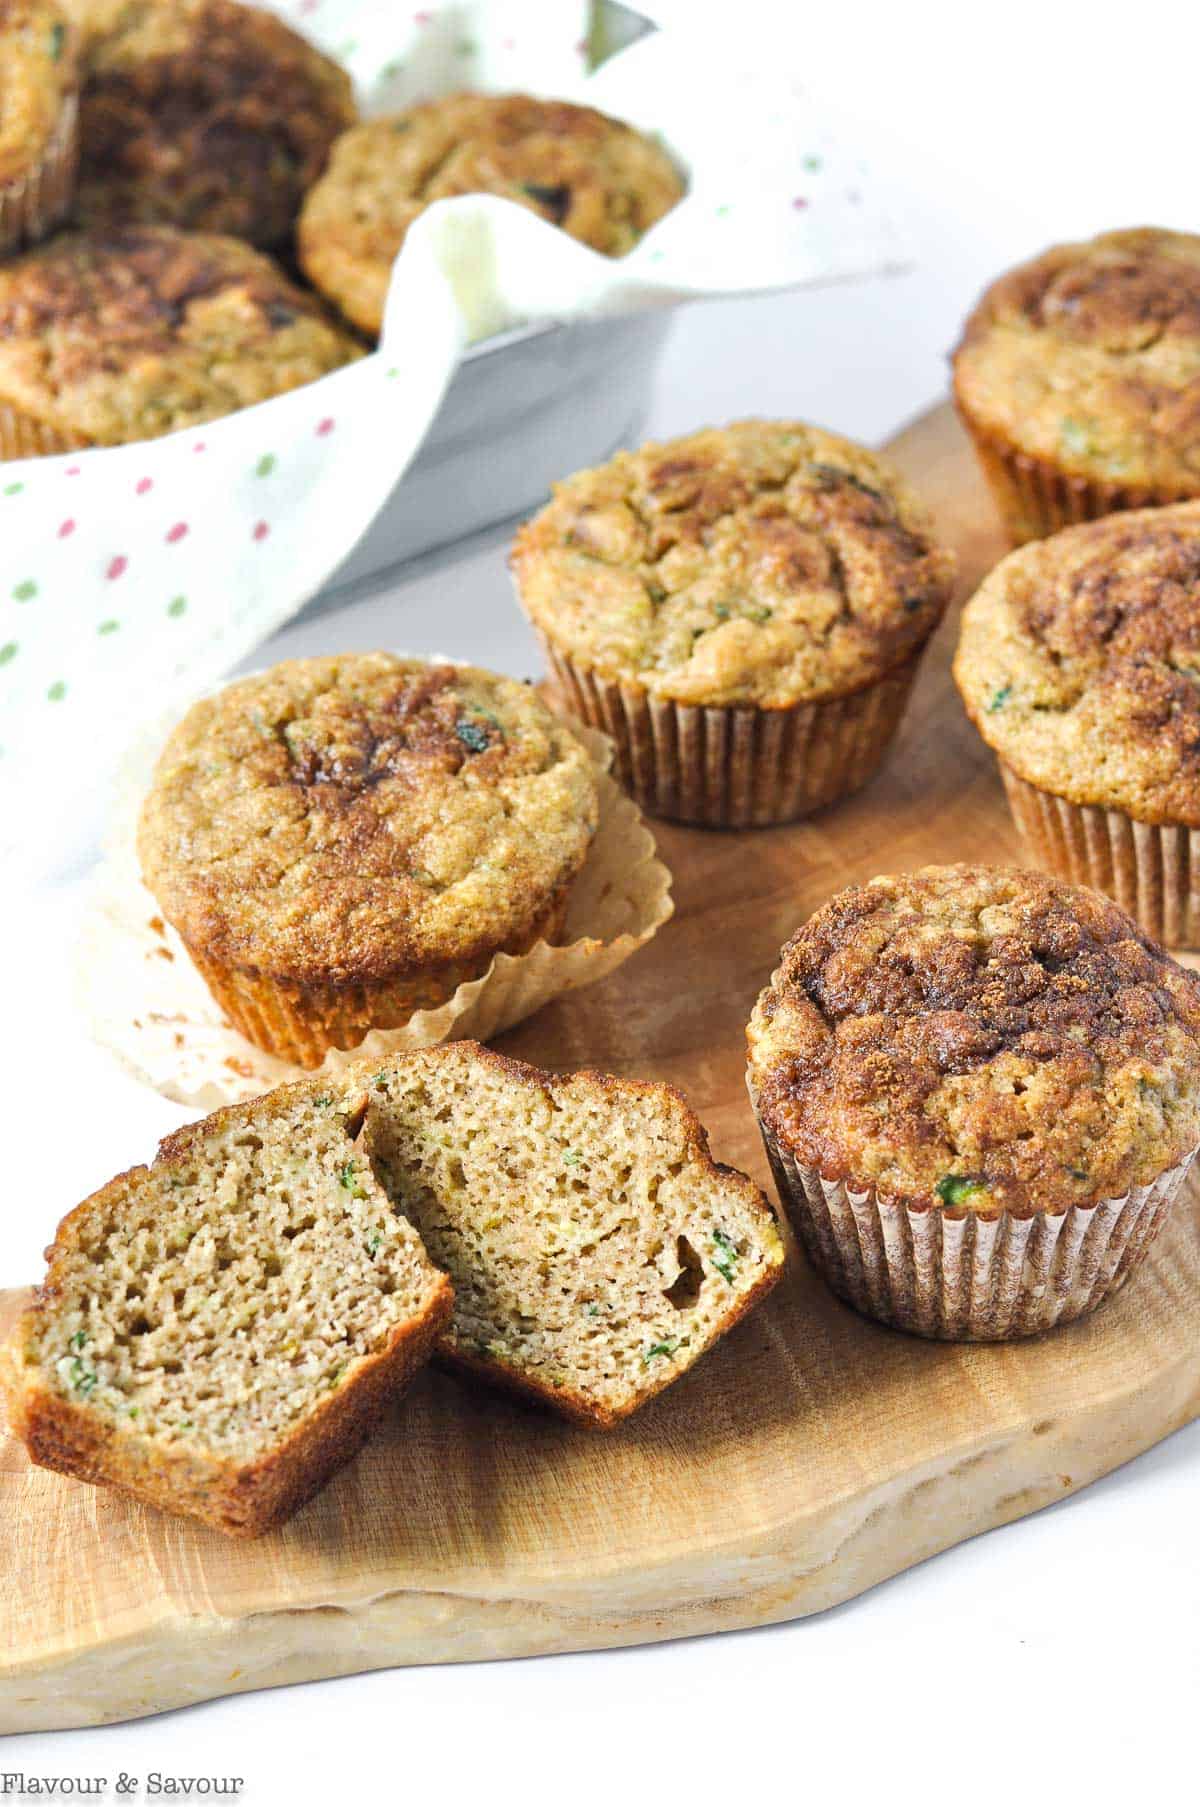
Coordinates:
(736, 767)
(1035, 499)
(962, 1276)
(34, 204)
(1151, 870)
(145, 1000)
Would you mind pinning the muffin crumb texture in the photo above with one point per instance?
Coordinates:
(979, 1040)
(1079, 663)
(106, 338)
(764, 563)
(596, 1251)
(598, 179)
(1088, 358)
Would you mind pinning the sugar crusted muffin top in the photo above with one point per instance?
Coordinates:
(204, 114)
(598, 179)
(39, 72)
(342, 819)
(765, 562)
(1089, 357)
(1079, 663)
(979, 1039)
(125, 335)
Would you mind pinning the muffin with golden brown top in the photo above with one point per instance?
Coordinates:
(1079, 664)
(743, 610)
(600, 180)
(342, 842)
(39, 118)
(979, 1091)
(204, 114)
(1078, 377)
(106, 338)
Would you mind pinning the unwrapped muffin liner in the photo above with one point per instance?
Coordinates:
(735, 767)
(146, 1002)
(1152, 870)
(1035, 499)
(966, 1276)
(34, 204)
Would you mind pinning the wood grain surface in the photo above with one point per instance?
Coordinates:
(810, 1456)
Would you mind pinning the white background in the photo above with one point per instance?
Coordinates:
(1054, 1660)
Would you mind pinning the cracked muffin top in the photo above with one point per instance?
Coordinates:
(979, 1040)
(341, 819)
(597, 178)
(39, 73)
(1089, 357)
(204, 114)
(124, 335)
(1079, 663)
(765, 562)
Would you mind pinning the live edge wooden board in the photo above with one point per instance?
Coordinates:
(810, 1456)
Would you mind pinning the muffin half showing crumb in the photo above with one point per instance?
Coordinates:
(344, 841)
(596, 1249)
(218, 1333)
(203, 114)
(108, 338)
(743, 610)
(980, 1093)
(1077, 378)
(598, 179)
(39, 118)
(1079, 664)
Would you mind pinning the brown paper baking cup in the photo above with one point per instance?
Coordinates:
(735, 767)
(1152, 871)
(1036, 499)
(33, 205)
(25, 436)
(146, 1002)
(961, 1276)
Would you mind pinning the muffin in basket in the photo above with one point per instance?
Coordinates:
(1077, 378)
(342, 842)
(39, 118)
(980, 1092)
(106, 338)
(597, 178)
(204, 114)
(743, 610)
(1078, 661)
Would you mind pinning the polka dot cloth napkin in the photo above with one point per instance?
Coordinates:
(132, 578)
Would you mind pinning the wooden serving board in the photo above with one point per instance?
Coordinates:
(810, 1456)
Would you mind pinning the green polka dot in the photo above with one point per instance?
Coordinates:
(391, 71)
(176, 607)
(722, 211)
(465, 47)
(13, 489)
(57, 691)
(265, 465)
(394, 371)
(347, 49)
(812, 161)
(25, 590)
(8, 652)
(108, 627)
(656, 257)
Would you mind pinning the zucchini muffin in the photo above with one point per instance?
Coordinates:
(39, 118)
(1079, 663)
(204, 114)
(106, 338)
(979, 1091)
(600, 180)
(341, 842)
(743, 610)
(1078, 378)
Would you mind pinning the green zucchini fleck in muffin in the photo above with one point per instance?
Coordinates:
(39, 118)
(742, 609)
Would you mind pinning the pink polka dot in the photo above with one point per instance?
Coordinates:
(325, 426)
(116, 568)
(509, 44)
(176, 533)
(72, 470)
(145, 486)
(799, 203)
(261, 530)
(199, 446)
(66, 530)
(422, 18)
